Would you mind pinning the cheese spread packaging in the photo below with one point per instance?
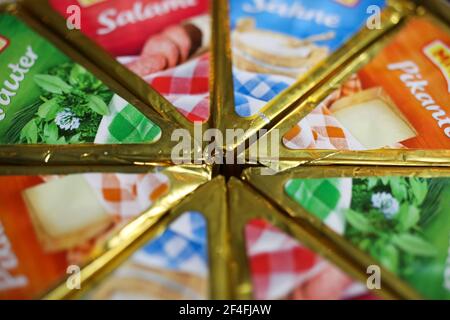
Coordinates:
(279, 50)
(395, 103)
(172, 266)
(276, 257)
(396, 219)
(277, 42)
(260, 256)
(52, 100)
(165, 43)
(176, 257)
(53, 224)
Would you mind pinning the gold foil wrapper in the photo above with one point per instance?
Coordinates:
(273, 187)
(246, 204)
(134, 83)
(281, 106)
(323, 87)
(180, 180)
(150, 225)
(158, 152)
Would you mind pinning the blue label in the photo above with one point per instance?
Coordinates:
(304, 18)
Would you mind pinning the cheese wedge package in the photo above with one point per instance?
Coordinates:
(279, 50)
(389, 105)
(276, 257)
(276, 42)
(290, 270)
(53, 224)
(268, 256)
(55, 100)
(394, 219)
(158, 49)
(172, 266)
(175, 258)
(339, 110)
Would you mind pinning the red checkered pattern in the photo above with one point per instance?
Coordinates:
(320, 130)
(276, 260)
(281, 267)
(186, 87)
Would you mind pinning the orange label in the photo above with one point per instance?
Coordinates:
(26, 271)
(414, 71)
(439, 53)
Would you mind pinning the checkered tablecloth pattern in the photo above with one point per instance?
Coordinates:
(124, 196)
(278, 263)
(126, 124)
(318, 196)
(182, 246)
(281, 267)
(252, 91)
(320, 130)
(327, 199)
(128, 195)
(131, 126)
(187, 87)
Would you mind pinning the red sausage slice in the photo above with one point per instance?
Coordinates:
(148, 64)
(161, 44)
(181, 38)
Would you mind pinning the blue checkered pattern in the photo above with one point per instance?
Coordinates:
(182, 246)
(252, 90)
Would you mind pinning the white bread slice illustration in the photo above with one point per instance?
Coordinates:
(65, 212)
(263, 51)
(373, 119)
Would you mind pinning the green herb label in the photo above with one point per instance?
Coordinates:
(45, 97)
(403, 222)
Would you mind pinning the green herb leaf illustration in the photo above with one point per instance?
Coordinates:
(75, 139)
(76, 74)
(52, 84)
(48, 109)
(51, 133)
(358, 221)
(419, 189)
(408, 217)
(385, 181)
(97, 105)
(398, 189)
(372, 183)
(414, 245)
(390, 257)
(30, 132)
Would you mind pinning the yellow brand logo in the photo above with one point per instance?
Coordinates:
(348, 3)
(87, 3)
(439, 53)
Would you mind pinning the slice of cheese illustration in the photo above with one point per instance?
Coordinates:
(65, 212)
(373, 119)
(264, 51)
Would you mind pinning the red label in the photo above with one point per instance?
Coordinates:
(123, 26)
